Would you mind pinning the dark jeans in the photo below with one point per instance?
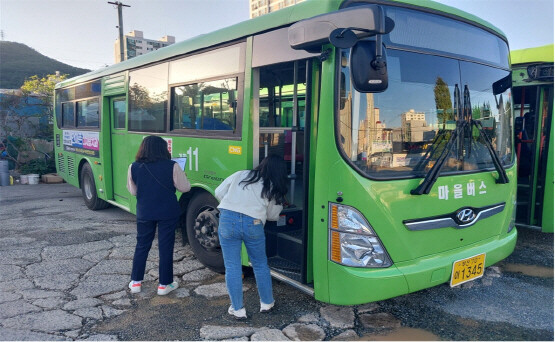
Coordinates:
(166, 239)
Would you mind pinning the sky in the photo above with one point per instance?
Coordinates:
(82, 33)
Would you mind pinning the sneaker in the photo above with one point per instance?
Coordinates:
(134, 287)
(238, 314)
(165, 289)
(266, 307)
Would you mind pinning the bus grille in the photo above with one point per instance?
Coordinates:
(70, 167)
(61, 164)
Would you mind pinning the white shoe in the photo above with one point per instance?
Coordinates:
(165, 289)
(238, 314)
(266, 307)
(134, 287)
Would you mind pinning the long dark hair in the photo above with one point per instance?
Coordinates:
(273, 172)
(153, 148)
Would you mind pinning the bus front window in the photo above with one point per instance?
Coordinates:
(402, 131)
(493, 111)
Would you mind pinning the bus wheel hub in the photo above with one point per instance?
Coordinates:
(206, 229)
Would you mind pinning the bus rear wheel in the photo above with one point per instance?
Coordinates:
(202, 231)
(88, 189)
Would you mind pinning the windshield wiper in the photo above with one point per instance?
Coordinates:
(431, 150)
(503, 179)
(431, 176)
(464, 125)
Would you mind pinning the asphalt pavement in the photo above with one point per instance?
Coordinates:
(64, 271)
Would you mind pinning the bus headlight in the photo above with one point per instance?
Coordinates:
(353, 242)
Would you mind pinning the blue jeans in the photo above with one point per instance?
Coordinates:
(233, 230)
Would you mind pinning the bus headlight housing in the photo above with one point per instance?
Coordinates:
(353, 241)
(512, 223)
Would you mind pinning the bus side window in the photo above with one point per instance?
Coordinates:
(205, 106)
(148, 98)
(88, 113)
(68, 114)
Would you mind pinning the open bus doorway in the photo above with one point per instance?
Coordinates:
(533, 108)
(532, 73)
(282, 117)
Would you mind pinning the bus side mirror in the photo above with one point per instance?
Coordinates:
(501, 85)
(369, 67)
(361, 21)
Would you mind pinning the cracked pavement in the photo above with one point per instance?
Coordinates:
(64, 271)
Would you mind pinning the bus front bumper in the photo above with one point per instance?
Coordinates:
(351, 286)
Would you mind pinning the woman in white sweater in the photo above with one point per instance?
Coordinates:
(247, 200)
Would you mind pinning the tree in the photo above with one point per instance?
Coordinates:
(43, 90)
(27, 113)
(139, 96)
(444, 106)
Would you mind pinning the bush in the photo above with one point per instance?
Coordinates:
(38, 166)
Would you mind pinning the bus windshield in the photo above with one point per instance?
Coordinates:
(402, 131)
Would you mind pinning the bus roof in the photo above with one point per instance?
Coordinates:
(533, 55)
(263, 23)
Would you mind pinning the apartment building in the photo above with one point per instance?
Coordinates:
(135, 44)
(261, 7)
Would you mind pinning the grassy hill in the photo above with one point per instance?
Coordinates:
(18, 61)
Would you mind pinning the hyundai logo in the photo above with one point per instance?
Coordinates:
(466, 215)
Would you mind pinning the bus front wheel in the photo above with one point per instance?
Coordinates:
(202, 231)
(88, 189)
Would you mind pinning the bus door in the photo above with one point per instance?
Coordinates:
(533, 130)
(280, 121)
(120, 150)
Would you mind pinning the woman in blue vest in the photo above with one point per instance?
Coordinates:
(154, 178)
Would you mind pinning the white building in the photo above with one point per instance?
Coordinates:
(412, 115)
(136, 45)
(415, 128)
(260, 7)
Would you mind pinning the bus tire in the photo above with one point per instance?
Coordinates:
(202, 231)
(88, 189)
(182, 227)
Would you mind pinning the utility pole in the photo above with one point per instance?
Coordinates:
(120, 26)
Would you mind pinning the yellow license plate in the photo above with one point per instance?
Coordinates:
(468, 269)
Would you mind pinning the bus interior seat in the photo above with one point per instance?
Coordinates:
(299, 155)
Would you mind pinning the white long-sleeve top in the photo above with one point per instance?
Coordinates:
(246, 199)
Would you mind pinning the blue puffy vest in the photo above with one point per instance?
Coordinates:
(156, 199)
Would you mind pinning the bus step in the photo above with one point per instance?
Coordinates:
(294, 235)
(282, 264)
(289, 274)
(285, 267)
(289, 246)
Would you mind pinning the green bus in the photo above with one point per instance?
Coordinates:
(394, 117)
(533, 107)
